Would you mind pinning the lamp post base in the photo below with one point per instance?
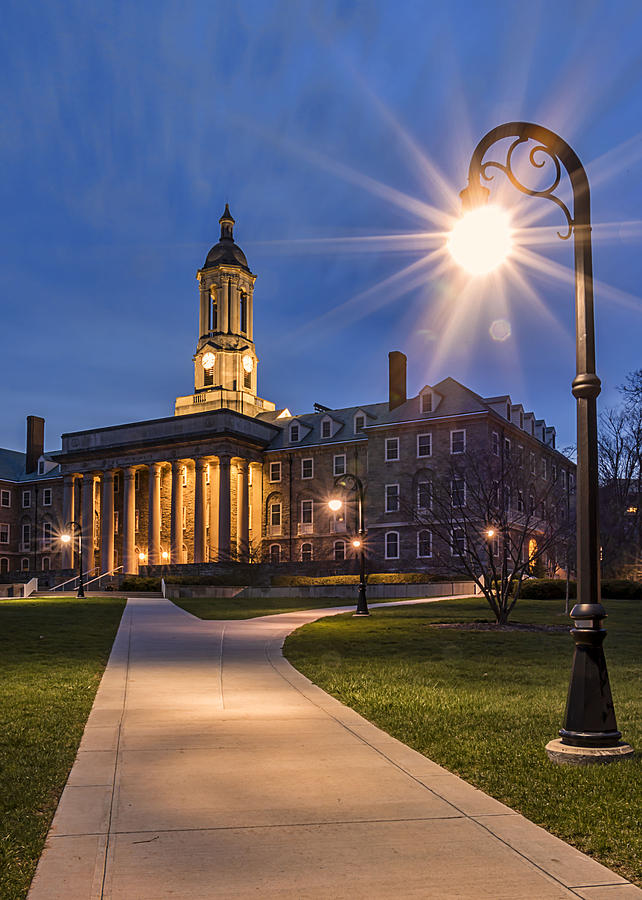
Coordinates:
(360, 614)
(565, 754)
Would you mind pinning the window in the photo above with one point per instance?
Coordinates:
(307, 468)
(392, 498)
(563, 477)
(426, 402)
(275, 471)
(4, 534)
(306, 553)
(392, 449)
(306, 512)
(506, 448)
(531, 505)
(458, 491)
(457, 541)
(506, 497)
(26, 499)
(208, 377)
(243, 313)
(275, 518)
(137, 519)
(184, 475)
(533, 469)
(24, 564)
(45, 564)
(571, 482)
(294, 433)
(458, 441)
(183, 519)
(116, 482)
(544, 468)
(213, 310)
(359, 423)
(137, 480)
(424, 543)
(46, 497)
(26, 534)
(116, 521)
(520, 456)
(392, 544)
(326, 428)
(495, 494)
(41, 467)
(46, 535)
(4, 565)
(339, 550)
(207, 474)
(5, 498)
(554, 472)
(339, 464)
(424, 444)
(275, 554)
(424, 495)
(494, 443)
(520, 502)
(249, 517)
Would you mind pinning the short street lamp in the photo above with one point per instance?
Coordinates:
(67, 538)
(479, 242)
(353, 483)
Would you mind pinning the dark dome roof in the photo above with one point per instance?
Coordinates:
(226, 252)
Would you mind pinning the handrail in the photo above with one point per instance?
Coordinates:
(75, 578)
(102, 575)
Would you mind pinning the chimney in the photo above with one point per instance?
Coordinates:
(35, 442)
(396, 379)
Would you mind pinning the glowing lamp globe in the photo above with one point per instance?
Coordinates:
(65, 538)
(490, 533)
(335, 505)
(356, 543)
(141, 557)
(481, 240)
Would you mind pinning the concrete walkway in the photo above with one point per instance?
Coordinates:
(209, 767)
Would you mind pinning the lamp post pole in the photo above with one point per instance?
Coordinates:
(354, 483)
(590, 732)
(76, 528)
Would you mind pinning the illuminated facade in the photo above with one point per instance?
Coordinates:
(230, 477)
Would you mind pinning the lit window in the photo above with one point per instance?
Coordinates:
(426, 402)
(306, 553)
(424, 495)
(359, 423)
(339, 466)
(424, 444)
(307, 468)
(494, 443)
(247, 380)
(26, 499)
(326, 428)
(458, 491)
(275, 471)
(392, 449)
(392, 545)
(339, 550)
(392, 498)
(294, 433)
(424, 543)
(5, 498)
(458, 441)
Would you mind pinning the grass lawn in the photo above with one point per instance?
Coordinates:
(249, 608)
(484, 704)
(52, 656)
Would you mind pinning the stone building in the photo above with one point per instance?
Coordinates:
(231, 477)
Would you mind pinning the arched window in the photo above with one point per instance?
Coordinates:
(339, 550)
(24, 564)
(45, 564)
(243, 313)
(213, 311)
(392, 545)
(306, 552)
(275, 554)
(4, 565)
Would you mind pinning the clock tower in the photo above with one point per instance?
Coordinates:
(225, 362)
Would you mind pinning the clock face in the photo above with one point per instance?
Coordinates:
(208, 360)
(248, 363)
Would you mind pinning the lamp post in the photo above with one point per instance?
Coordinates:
(66, 538)
(353, 483)
(590, 732)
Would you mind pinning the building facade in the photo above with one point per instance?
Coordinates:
(231, 477)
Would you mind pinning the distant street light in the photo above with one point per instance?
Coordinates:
(67, 538)
(353, 483)
(590, 731)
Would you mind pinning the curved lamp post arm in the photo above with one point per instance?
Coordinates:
(550, 147)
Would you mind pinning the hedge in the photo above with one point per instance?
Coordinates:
(555, 589)
(375, 578)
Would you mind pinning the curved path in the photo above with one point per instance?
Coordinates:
(210, 768)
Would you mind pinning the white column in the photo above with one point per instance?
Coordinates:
(130, 563)
(88, 521)
(243, 511)
(224, 516)
(223, 305)
(199, 510)
(256, 501)
(107, 523)
(68, 507)
(154, 515)
(177, 513)
(213, 495)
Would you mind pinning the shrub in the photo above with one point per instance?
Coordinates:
(139, 583)
(375, 578)
(619, 589)
(546, 589)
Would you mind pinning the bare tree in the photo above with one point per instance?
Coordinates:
(495, 519)
(620, 446)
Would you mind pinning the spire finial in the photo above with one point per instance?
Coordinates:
(227, 224)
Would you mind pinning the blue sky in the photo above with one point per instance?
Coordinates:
(126, 128)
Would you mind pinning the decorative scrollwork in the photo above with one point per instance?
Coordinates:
(546, 193)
